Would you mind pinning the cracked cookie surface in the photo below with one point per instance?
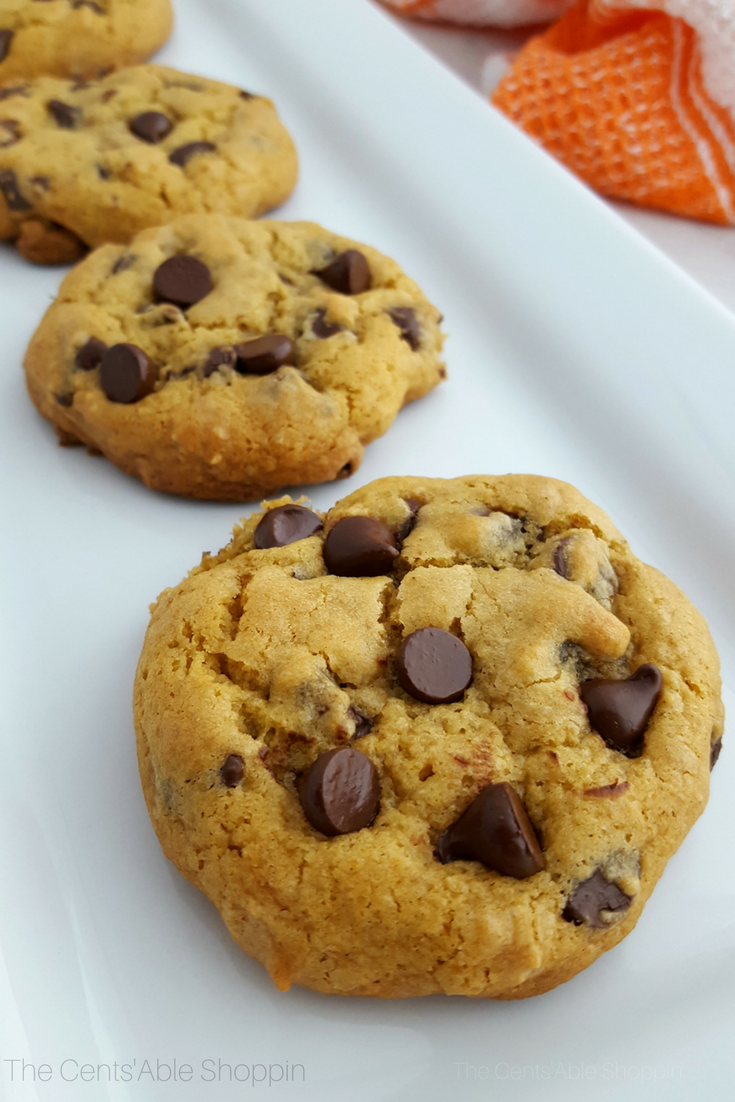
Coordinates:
(262, 669)
(270, 377)
(79, 38)
(99, 162)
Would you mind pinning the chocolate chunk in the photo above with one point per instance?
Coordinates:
(714, 753)
(409, 524)
(559, 558)
(340, 792)
(264, 354)
(90, 354)
(496, 831)
(591, 898)
(123, 263)
(434, 666)
(6, 37)
(11, 191)
(18, 90)
(217, 358)
(619, 711)
(184, 153)
(151, 126)
(11, 133)
(363, 724)
(404, 317)
(183, 280)
(349, 273)
(66, 116)
(322, 328)
(284, 525)
(126, 373)
(359, 547)
(232, 771)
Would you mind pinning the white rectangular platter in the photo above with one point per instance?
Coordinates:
(575, 351)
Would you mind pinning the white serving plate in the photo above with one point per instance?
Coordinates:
(576, 351)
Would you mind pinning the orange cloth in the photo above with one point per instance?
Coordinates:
(619, 98)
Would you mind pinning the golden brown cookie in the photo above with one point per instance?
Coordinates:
(99, 162)
(78, 38)
(443, 739)
(219, 358)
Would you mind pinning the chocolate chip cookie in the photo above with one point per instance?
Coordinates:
(443, 739)
(83, 164)
(78, 38)
(220, 358)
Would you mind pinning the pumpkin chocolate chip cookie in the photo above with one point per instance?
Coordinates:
(220, 358)
(443, 739)
(83, 164)
(78, 38)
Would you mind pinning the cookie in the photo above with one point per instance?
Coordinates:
(443, 739)
(86, 164)
(220, 358)
(78, 38)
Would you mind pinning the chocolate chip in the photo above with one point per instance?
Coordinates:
(363, 724)
(409, 524)
(359, 547)
(65, 398)
(591, 898)
(619, 711)
(12, 132)
(496, 831)
(340, 792)
(6, 37)
(217, 358)
(11, 191)
(232, 771)
(123, 263)
(65, 116)
(183, 280)
(126, 373)
(151, 126)
(434, 666)
(404, 317)
(349, 273)
(345, 472)
(559, 558)
(285, 524)
(264, 354)
(322, 328)
(89, 355)
(714, 753)
(246, 95)
(184, 153)
(103, 172)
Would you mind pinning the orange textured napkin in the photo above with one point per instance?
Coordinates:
(635, 96)
(639, 103)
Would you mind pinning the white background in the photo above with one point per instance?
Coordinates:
(575, 351)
